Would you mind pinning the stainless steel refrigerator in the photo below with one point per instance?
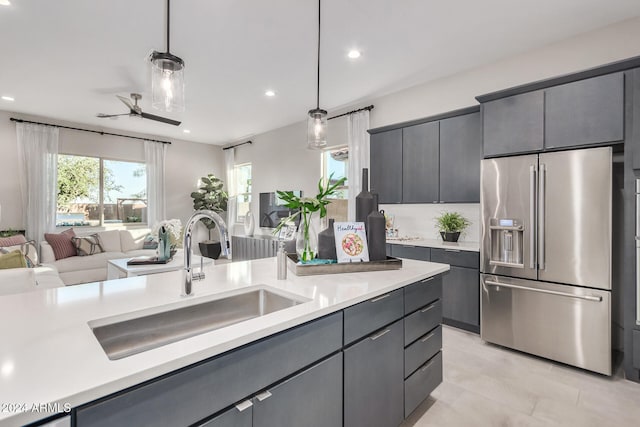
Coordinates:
(545, 255)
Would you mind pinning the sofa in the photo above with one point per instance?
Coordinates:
(93, 268)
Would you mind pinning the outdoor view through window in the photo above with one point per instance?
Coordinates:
(94, 191)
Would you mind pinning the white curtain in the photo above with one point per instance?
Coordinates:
(38, 167)
(358, 142)
(229, 163)
(154, 155)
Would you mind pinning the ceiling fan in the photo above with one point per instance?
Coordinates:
(135, 110)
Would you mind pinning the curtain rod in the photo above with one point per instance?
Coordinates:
(88, 130)
(368, 108)
(237, 145)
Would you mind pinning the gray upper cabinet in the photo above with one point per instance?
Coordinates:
(633, 93)
(420, 163)
(514, 124)
(386, 165)
(460, 156)
(588, 111)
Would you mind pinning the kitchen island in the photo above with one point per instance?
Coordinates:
(51, 361)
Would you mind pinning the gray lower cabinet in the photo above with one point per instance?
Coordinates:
(460, 288)
(460, 156)
(420, 163)
(373, 379)
(312, 398)
(421, 383)
(386, 166)
(513, 125)
(588, 111)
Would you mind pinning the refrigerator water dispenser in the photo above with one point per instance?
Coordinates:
(506, 242)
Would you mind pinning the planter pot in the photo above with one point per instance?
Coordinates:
(210, 249)
(449, 236)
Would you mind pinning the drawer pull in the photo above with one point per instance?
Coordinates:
(452, 250)
(427, 279)
(378, 335)
(263, 396)
(244, 405)
(427, 337)
(380, 298)
(427, 366)
(424, 310)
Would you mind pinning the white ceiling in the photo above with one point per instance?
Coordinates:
(67, 59)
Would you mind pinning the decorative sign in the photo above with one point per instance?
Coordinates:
(351, 242)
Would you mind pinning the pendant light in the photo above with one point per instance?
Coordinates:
(317, 120)
(167, 78)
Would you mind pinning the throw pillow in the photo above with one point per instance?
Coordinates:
(87, 245)
(18, 239)
(61, 243)
(13, 259)
(28, 250)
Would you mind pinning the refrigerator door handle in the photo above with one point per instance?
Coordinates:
(541, 215)
(532, 215)
(545, 291)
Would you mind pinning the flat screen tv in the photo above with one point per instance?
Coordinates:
(272, 210)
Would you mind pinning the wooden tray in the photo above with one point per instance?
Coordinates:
(353, 267)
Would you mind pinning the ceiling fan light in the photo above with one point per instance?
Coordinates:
(167, 82)
(317, 129)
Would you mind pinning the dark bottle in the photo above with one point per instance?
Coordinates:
(364, 200)
(376, 237)
(327, 242)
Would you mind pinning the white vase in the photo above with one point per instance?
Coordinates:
(248, 224)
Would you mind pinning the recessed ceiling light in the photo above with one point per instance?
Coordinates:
(6, 97)
(270, 93)
(186, 131)
(5, 3)
(354, 53)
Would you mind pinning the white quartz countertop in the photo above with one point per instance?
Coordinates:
(435, 243)
(49, 355)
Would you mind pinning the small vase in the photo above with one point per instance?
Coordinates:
(307, 238)
(164, 244)
(249, 223)
(327, 242)
(450, 236)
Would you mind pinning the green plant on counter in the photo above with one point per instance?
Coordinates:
(451, 222)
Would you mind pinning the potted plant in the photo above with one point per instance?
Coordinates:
(450, 225)
(210, 196)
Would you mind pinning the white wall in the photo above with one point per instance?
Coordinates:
(185, 163)
(280, 159)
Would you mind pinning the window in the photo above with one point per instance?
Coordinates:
(336, 160)
(242, 174)
(93, 191)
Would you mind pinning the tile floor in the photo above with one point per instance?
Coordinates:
(487, 385)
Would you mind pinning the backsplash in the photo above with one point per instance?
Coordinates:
(419, 219)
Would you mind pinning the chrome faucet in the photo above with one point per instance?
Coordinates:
(188, 231)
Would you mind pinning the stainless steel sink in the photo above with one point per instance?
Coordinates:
(124, 338)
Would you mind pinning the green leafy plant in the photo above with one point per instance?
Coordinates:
(451, 222)
(210, 196)
(305, 207)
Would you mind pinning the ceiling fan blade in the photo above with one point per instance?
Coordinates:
(160, 119)
(126, 101)
(104, 116)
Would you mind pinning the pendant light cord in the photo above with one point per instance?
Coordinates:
(318, 86)
(168, 16)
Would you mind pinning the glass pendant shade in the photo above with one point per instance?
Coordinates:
(167, 82)
(317, 129)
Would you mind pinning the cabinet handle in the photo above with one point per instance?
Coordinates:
(378, 335)
(435, 201)
(427, 279)
(427, 366)
(263, 396)
(427, 337)
(424, 310)
(244, 405)
(380, 298)
(452, 250)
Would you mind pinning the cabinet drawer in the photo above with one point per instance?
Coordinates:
(456, 257)
(420, 385)
(422, 321)
(194, 393)
(369, 316)
(422, 293)
(422, 350)
(411, 252)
